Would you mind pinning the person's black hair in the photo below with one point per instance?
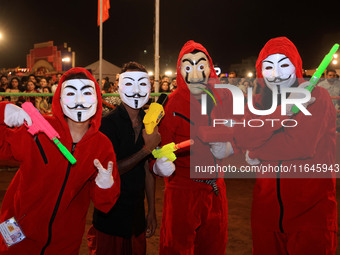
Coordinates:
(14, 78)
(330, 71)
(196, 51)
(133, 66)
(49, 99)
(106, 86)
(49, 89)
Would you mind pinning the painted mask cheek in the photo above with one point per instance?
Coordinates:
(68, 100)
(92, 100)
(267, 73)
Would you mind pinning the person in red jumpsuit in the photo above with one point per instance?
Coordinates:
(195, 211)
(48, 196)
(292, 212)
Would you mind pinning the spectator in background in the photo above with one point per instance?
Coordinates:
(256, 87)
(111, 86)
(50, 81)
(224, 80)
(54, 87)
(165, 87)
(232, 78)
(30, 88)
(58, 77)
(106, 86)
(13, 88)
(152, 82)
(112, 101)
(42, 84)
(44, 104)
(32, 78)
(3, 83)
(332, 84)
(23, 84)
(240, 81)
(244, 86)
(173, 85)
(102, 83)
(115, 86)
(165, 78)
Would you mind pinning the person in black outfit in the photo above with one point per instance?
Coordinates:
(124, 228)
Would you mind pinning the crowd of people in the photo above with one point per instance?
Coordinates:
(30, 84)
(34, 84)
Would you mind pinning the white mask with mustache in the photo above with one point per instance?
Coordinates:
(134, 88)
(278, 70)
(78, 99)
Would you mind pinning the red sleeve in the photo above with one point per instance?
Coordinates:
(2, 112)
(225, 111)
(104, 199)
(249, 137)
(301, 141)
(8, 136)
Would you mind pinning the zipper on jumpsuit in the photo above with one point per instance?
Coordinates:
(56, 207)
(279, 198)
(213, 182)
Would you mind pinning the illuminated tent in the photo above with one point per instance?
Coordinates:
(108, 70)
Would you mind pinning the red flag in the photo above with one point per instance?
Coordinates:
(106, 7)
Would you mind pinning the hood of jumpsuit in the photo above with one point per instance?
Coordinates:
(182, 87)
(57, 111)
(279, 45)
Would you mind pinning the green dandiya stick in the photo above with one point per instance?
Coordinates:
(208, 92)
(319, 71)
(64, 151)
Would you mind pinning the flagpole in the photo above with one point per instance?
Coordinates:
(157, 46)
(100, 44)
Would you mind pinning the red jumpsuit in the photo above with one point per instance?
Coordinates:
(48, 196)
(194, 217)
(293, 215)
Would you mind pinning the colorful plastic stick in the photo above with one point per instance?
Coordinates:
(319, 71)
(168, 149)
(40, 124)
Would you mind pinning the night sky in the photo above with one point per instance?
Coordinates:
(231, 30)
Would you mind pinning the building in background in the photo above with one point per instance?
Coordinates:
(47, 59)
